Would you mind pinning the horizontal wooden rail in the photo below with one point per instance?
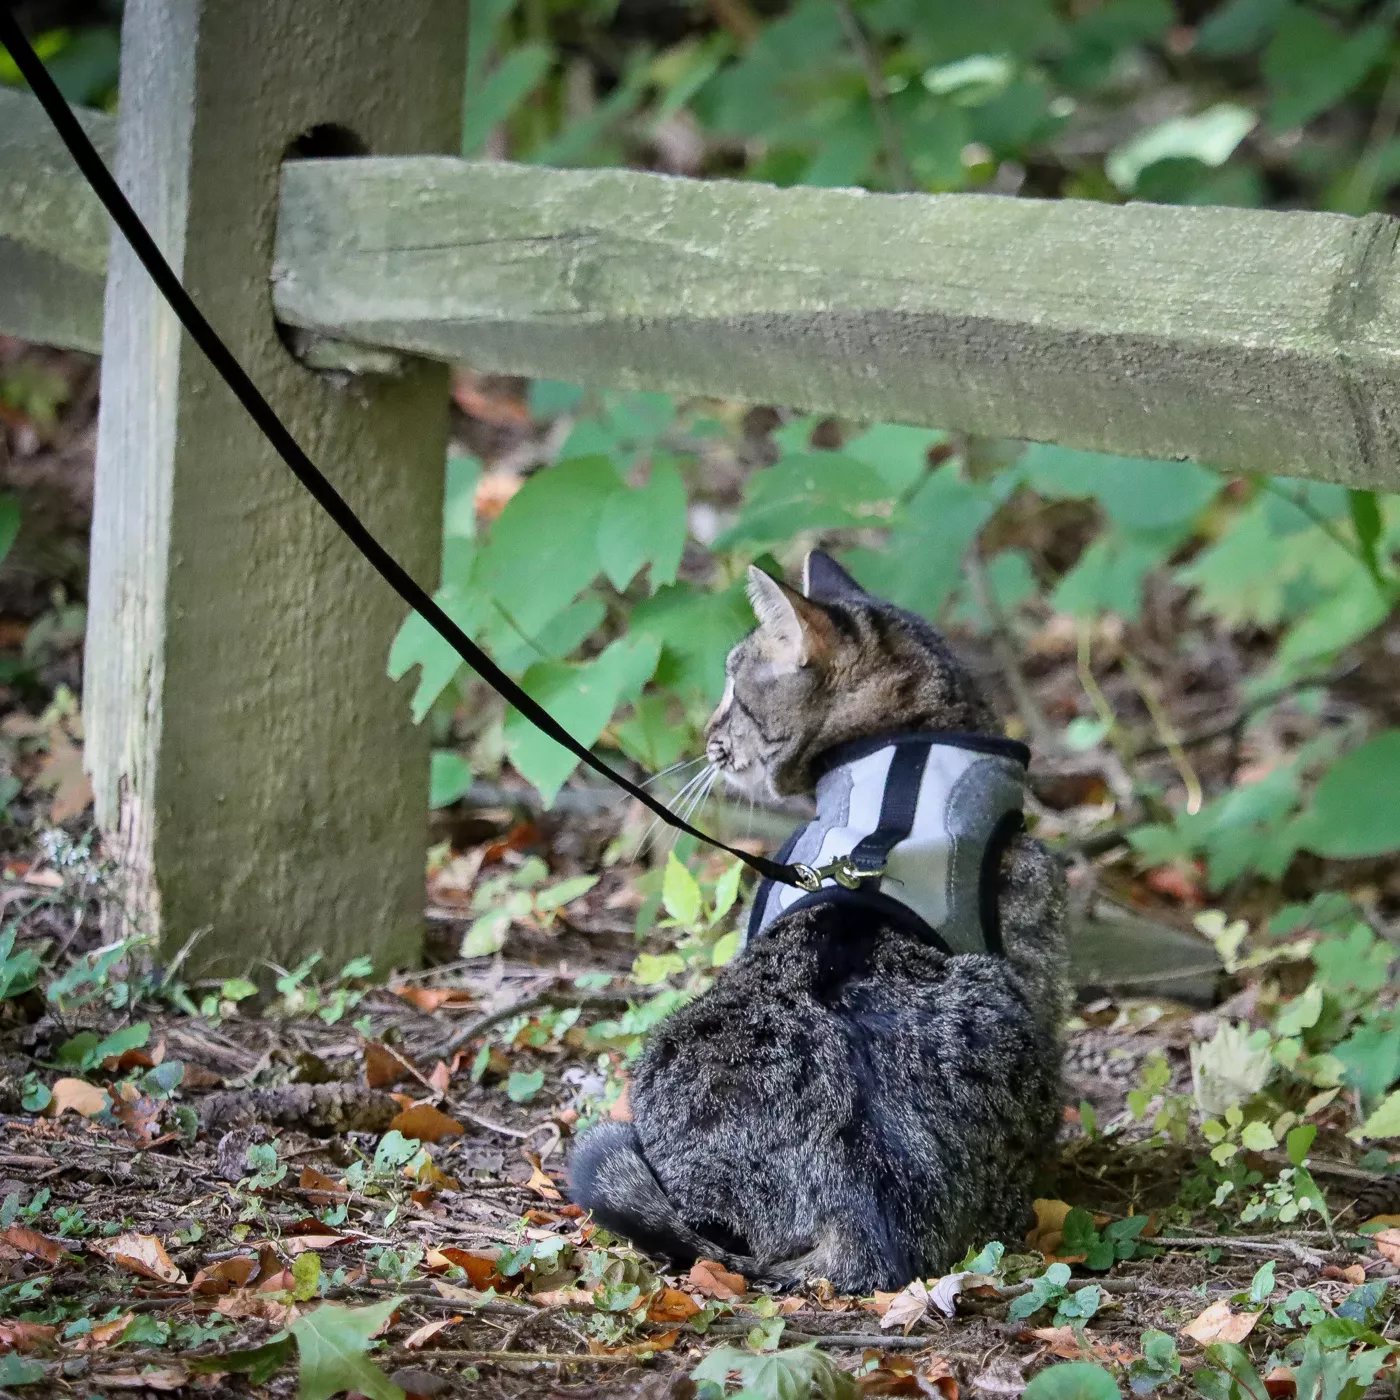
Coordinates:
(53, 233)
(1260, 341)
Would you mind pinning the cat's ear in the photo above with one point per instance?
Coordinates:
(825, 581)
(796, 632)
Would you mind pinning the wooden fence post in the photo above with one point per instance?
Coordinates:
(256, 773)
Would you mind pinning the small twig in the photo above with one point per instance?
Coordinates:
(519, 1329)
(491, 1125)
(1300, 1252)
(1166, 732)
(875, 89)
(1004, 647)
(547, 1358)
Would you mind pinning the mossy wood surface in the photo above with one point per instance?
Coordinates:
(53, 233)
(1256, 340)
(256, 772)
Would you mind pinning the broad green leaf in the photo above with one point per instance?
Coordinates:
(515, 78)
(1366, 521)
(680, 894)
(1138, 496)
(1356, 608)
(650, 735)
(1301, 1013)
(557, 896)
(1311, 64)
(1211, 138)
(650, 968)
(727, 891)
(418, 644)
(522, 1086)
(582, 699)
(1257, 1137)
(1385, 1121)
(487, 934)
(1353, 811)
(696, 629)
(459, 499)
(1109, 575)
(1072, 1380)
(1299, 1140)
(20, 1370)
(449, 778)
(1371, 1056)
(543, 547)
(896, 451)
(725, 949)
(799, 1373)
(1262, 1283)
(644, 525)
(808, 491)
(332, 1345)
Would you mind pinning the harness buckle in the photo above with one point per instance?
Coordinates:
(842, 870)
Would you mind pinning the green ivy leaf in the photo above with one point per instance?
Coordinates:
(644, 525)
(680, 893)
(1384, 1122)
(1353, 811)
(522, 1086)
(332, 1345)
(449, 778)
(19, 1370)
(1072, 1380)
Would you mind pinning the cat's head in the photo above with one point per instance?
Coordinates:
(824, 666)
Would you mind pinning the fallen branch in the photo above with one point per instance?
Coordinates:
(555, 997)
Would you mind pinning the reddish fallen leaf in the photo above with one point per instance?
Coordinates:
(300, 1244)
(1220, 1323)
(714, 1281)
(536, 1216)
(152, 1378)
(1072, 1345)
(473, 397)
(429, 999)
(138, 1113)
(572, 1211)
(29, 1241)
(197, 1077)
(440, 1077)
(1353, 1273)
(141, 1254)
(480, 1269)
(1181, 882)
(671, 1305)
(662, 1342)
(327, 1188)
(61, 773)
(1281, 1384)
(1388, 1243)
(224, 1276)
(790, 1305)
(76, 1096)
(426, 1123)
(25, 1336)
(383, 1066)
(429, 1330)
(900, 1374)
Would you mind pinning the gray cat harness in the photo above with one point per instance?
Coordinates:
(912, 826)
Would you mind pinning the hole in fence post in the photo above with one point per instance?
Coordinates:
(339, 360)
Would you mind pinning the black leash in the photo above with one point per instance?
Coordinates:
(305, 470)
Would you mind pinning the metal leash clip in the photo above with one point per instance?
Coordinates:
(843, 870)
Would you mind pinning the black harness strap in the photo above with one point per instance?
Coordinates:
(898, 807)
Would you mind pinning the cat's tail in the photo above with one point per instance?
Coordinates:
(609, 1176)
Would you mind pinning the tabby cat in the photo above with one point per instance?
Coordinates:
(869, 1087)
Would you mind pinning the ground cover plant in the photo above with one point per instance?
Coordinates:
(349, 1179)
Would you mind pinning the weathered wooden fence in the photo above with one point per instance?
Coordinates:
(252, 763)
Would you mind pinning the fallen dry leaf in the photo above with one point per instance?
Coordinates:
(571, 1298)
(440, 1077)
(714, 1281)
(104, 1334)
(429, 1330)
(152, 1378)
(224, 1276)
(901, 1374)
(908, 1306)
(141, 1254)
(664, 1341)
(1072, 1345)
(312, 1180)
(76, 1096)
(671, 1305)
(452, 1294)
(1002, 1377)
(1353, 1273)
(540, 1181)
(480, 1269)
(25, 1336)
(382, 1066)
(1384, 1220)
(1220, 1323)
(248, 1303)
(429, 999)
(1388, 1243)
(61, 773)
(426, 1123)
(1281, 1383)
(1048, 1233)
(138, 1113)
(29, 1241)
